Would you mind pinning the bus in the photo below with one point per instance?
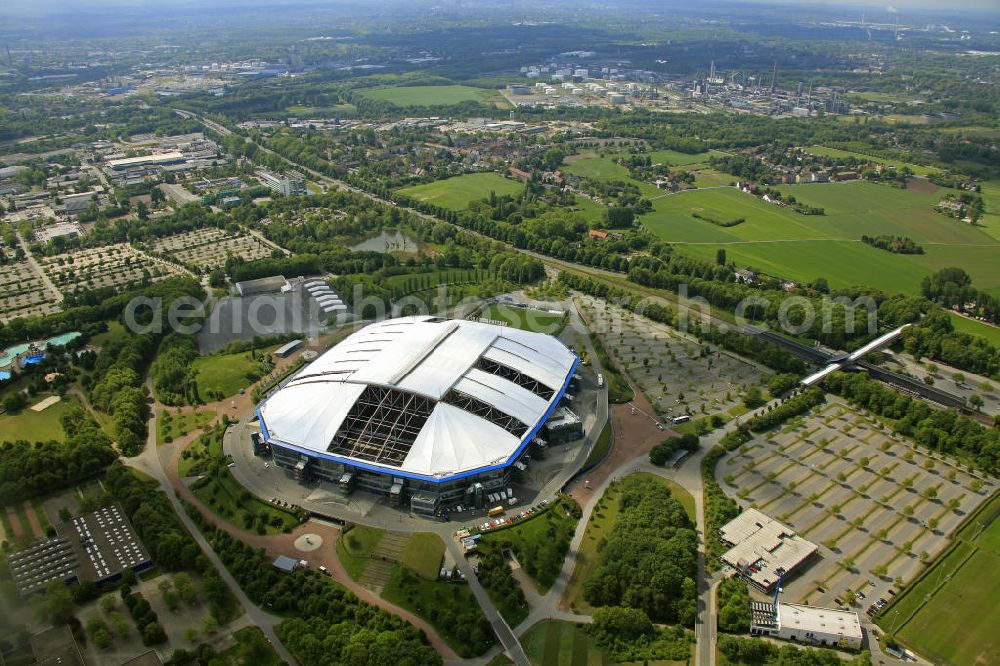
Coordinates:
(495, 511)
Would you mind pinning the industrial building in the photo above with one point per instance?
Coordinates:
(97, 546)
(161, 159)
(428, 412)
(806, 624)
(762, 549)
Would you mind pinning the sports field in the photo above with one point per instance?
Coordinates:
(963, 606)
(526, 319)
(780, 241)
(431, 95)
(456, 193)
(33, 426)
(823, 151)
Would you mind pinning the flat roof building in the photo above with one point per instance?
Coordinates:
(806, 624)
(760, 546)
(265, 285)
(161, 159)
(98, 546)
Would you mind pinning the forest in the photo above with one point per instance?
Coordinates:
(649, 561)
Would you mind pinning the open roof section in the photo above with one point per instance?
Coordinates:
(416, 396)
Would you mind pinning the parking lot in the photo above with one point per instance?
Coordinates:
(876, 505)
(119, 266)
(678, 373)
(204, 249)
(22, 293)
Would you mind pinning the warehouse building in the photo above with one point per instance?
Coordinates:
(426, 411)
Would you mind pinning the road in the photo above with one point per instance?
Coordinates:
(148, 462)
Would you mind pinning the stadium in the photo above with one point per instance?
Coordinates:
(426, 411)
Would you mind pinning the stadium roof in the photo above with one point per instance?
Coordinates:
(422, 397)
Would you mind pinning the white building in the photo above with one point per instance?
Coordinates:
(421, 407)
(762, 548)
(806, 624)
(289, 183)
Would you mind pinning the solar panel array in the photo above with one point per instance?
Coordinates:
(35, 566)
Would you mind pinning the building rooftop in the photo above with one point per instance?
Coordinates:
(814, 619)
(761, 546)
(422, 397)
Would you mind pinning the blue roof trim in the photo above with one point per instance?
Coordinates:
(423, 477)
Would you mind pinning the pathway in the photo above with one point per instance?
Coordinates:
(37, 268)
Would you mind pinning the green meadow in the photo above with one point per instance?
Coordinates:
(431, 95)
(823, 151)
(458, 192)
(782, 242)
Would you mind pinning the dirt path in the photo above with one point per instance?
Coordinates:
(284, 544)
(33, 522)
(15, 522)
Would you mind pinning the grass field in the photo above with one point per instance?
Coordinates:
(779, 241)
(674, 158)
(36, 426)
(558, 643)
(355, 547)
(224, 374)
(423, 554)
(601, 446)
(823, 151)
(173, 426)
(225, 497)
(602, 520)
(436, 602)
(525, 319)
(964, 606)
(431, 95)
(251, 648)
(456, 193)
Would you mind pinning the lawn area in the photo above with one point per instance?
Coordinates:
(450, 607)
(558, 643)
(823, 151)
(526, 319)
(674, 158)
(355, 547)
(966, 603)
(35, 426)
(598, 168)
(973, 327)
(199, 454)
(224, 375)
(540, 543)
(172, 426)
(602, 521)
(115, 331)
(458, 192)
(432, 95)
(780, 241)
(601, 446)
(222, 494)
(423, 554)
(411, 282)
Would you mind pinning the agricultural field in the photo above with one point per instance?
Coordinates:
(779, 241)
(823, 151)
(669, 367)
(527, 319)
(22, 293)
(205, 249)
(120, 266)
(956, 596)
(458, 192)
(432, 95)
(877, 506)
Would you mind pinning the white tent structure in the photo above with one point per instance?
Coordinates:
(422, 397)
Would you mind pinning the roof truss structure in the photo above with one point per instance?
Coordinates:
(382, 425)
(487, 412)
(515, 376)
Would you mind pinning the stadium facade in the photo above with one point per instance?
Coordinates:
(426, 411)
